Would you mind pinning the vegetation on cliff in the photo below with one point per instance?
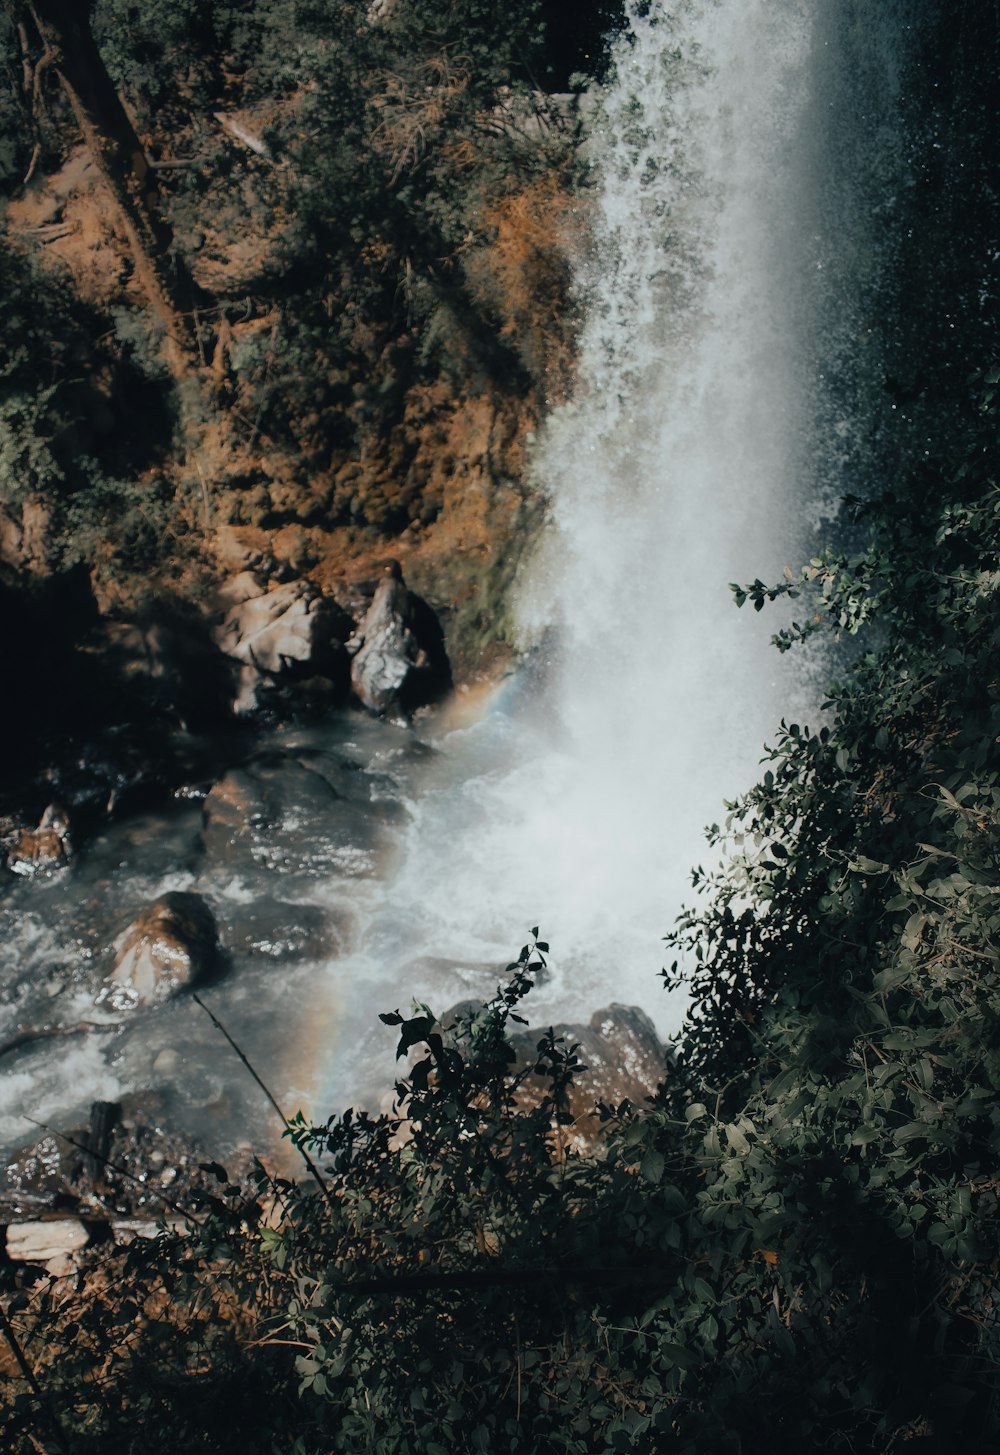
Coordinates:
(289, 268)
(283, 283)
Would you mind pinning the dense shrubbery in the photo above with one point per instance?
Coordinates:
(59, 394)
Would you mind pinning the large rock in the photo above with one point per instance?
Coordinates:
(286, 631)
(171, 944)
(42, 1242)
(43, 849)
(399, 661)
(299, 812)
(623, 1055)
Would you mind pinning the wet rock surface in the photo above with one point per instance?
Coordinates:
(106, 783)
(172, 944)
(299, 812)
(398, 657)
(275, 931)
(280, 630)
(43, 849)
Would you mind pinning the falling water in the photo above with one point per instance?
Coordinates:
(683, 462)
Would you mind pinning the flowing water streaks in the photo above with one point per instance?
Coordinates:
(681, 463)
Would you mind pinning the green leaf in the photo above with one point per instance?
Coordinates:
(905, 1040)
(652, 1165)
(737, 1141)
(636, 1132)
(912, 930)
(677, 1354)
(910, 1132)
(863, 865)
(891, 977)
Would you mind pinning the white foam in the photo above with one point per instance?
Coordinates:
(674, 469)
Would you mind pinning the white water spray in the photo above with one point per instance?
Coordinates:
(579, 804)
(680, 465)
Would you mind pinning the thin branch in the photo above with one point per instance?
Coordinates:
(29, 1374)
(314, 1171)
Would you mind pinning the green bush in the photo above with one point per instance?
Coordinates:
(61, 441)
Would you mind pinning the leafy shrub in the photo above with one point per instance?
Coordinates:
(61, 442)
(14, 148)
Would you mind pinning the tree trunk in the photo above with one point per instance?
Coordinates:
(70, 49)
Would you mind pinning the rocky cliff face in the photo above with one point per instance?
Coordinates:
(439, 478)
(288, 317)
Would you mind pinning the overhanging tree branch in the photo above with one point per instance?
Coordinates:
(68, 45)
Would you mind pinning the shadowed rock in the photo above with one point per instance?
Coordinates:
(287, 631)
(623, 1055)
(398, 658)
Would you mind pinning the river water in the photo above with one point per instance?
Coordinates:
(741, 154)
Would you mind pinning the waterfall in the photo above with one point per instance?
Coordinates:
(681, 463)
(703, 445)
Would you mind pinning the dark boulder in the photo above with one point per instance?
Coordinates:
(399, 662)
